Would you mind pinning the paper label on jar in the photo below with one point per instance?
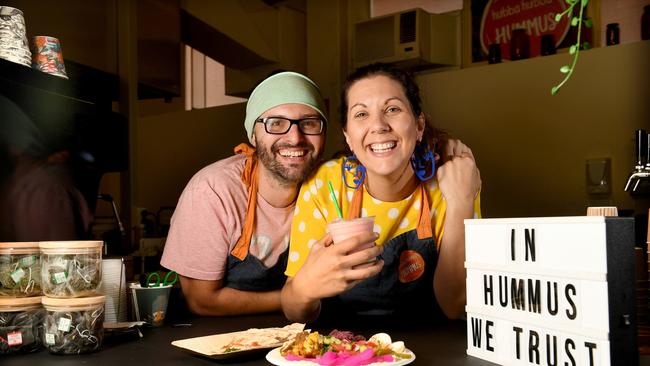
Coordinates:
(49, 338)
(59, 277)
(17, 275)
(64, 324)
(28, 261)
(14, 338)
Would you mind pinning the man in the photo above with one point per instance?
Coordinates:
(230, 232)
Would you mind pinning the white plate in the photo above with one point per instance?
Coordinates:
(212, 346)
(276, 358)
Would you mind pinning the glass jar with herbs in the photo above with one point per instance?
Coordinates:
(20, 324)
(73, 326)
(71, 268)
(20, 269)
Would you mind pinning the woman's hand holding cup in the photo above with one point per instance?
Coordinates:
(330, 270)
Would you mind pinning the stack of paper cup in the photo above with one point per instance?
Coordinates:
(642, 304)
(642, 295)
(602, 211)
(47, 56)
(114, 287)
(13, 36)
(644, 309)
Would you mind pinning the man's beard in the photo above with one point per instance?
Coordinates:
(295, 173)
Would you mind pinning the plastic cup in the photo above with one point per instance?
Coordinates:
(341, 229)
(47, 56)
(150, 303)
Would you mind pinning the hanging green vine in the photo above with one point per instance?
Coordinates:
(576, 21)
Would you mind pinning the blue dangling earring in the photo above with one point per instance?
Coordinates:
(351, 163)
(421, 160)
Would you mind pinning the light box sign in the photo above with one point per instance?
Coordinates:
(556, 291)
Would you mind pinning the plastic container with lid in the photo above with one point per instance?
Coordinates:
(519, 45)
(71, 268)
(20, 269)
(20, 324)
(613, 34)
(73, 326)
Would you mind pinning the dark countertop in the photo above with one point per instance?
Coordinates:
(442, 344)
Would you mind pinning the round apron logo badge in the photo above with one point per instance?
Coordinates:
(411, 266)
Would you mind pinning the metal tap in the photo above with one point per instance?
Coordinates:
(642, 168)
(636, 177)
(109, 198)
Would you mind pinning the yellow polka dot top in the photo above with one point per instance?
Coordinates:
(315, 208)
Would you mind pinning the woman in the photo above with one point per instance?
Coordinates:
(419, 231)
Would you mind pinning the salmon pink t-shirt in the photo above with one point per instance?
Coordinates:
(209, 219)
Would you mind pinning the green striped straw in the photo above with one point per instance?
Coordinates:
(336, 202)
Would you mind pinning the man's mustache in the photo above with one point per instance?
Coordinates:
(303, 145)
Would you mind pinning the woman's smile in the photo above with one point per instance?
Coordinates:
(382, 147)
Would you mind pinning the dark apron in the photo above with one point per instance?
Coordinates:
(402, 293)
(250, 274)
(245, 271)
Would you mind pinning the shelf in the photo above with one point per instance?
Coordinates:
(84, 86)
(16, 78)
(70, 114)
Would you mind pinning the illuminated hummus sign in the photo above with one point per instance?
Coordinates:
(551, 291)
(537, 17)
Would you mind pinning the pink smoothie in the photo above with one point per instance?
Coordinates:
(341, 229)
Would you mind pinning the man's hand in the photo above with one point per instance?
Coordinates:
(458, 176)
(454, 147)
(459, 179)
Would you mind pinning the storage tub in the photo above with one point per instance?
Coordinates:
(20, 269)
(71, 268)
(73, 326)
(20, 324)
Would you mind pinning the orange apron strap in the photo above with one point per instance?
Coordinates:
(424, 222)
(249, 176)
(355, 206)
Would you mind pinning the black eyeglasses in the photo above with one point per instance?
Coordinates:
(280, 125)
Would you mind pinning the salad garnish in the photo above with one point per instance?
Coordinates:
(343, 348)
